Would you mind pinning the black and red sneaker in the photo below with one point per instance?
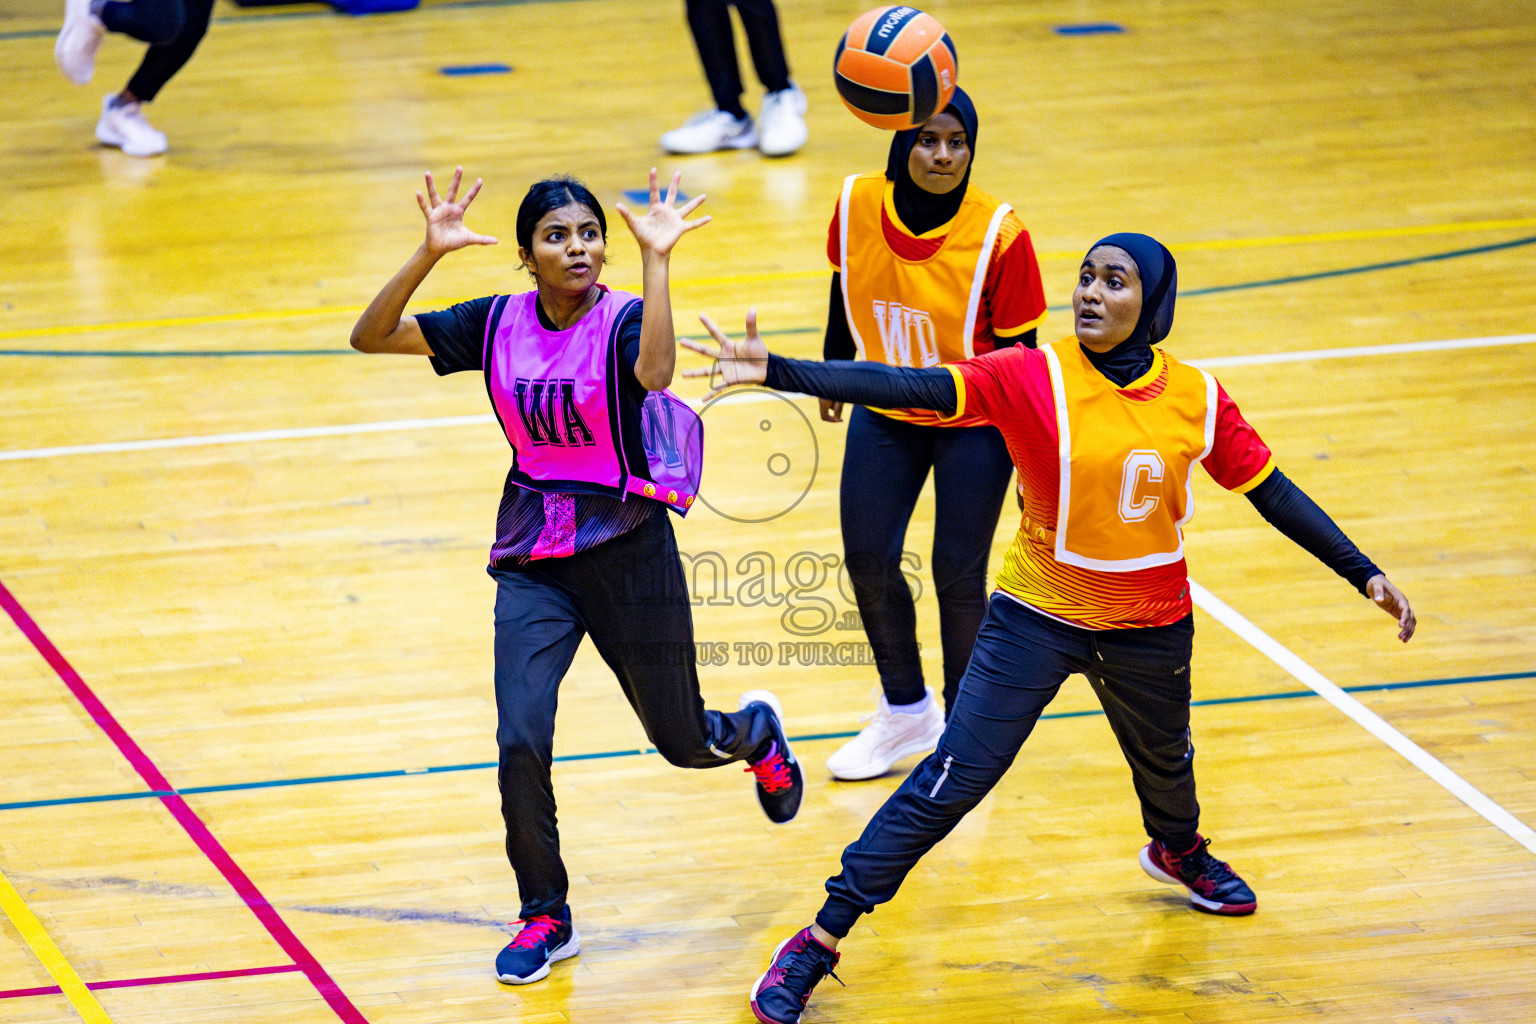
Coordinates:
(1213, 886)
(780, 784)
(541, 941)
(780, 995)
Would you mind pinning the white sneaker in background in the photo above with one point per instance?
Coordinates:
(74, 51)
(781, 123)
(889, 737)
(124, 126)
(709, 131)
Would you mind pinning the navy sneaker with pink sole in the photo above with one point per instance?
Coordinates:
(1213, 886)
(799, 962)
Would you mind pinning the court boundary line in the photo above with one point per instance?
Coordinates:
(165, 979)
(202, 837)
(1364, 717)
(400, 773)
(430, 423)
(47, 952)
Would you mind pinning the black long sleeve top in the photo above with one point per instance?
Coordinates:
(1277, 499)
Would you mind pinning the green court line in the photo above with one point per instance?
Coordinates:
(1212, 290)
(395, 773)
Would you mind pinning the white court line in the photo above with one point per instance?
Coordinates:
(253, 435)
(296, 433)
(1364, 717)
(1363, 350)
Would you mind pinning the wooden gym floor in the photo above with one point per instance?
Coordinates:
(247, 716)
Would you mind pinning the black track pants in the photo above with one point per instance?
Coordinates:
(630, 596)
(710, 21)
(1021, 658)
(173, 28)
(885, 465)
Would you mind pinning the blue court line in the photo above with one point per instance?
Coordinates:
(460, 70)
(396, 773)
(1098, 29)
(1213, 290)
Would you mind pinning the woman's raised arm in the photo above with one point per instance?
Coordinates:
(382, 328)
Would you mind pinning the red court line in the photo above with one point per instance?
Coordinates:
(166, 979)
(183, 814)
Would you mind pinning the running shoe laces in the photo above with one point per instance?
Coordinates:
(1199, 863)
(808, 965)
(772, 773)
(535, 930)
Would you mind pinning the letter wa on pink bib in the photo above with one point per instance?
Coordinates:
(557, 396)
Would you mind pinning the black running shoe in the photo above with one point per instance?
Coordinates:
(543, 940)
(780, 785)
(780, 995)
(1213, 886)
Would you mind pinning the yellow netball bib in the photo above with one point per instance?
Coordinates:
(914, 312)
(1126, 459)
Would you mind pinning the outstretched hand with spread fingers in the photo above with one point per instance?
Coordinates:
(445, 216)
(736, 362)
(665, 222)
(1394, 602)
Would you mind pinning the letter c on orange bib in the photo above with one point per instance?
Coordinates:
(1139, 484)
(895, 67)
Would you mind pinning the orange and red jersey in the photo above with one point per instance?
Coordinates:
(1105, 473)
(939, 297)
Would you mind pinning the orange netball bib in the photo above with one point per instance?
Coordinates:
(1126, 459)
(914, 312)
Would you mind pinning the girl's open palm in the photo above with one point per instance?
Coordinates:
(737, 362)
(665, 222)
(445, 216)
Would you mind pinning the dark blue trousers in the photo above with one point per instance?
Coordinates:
(630, 596)
(885, 465)
(1021, 658)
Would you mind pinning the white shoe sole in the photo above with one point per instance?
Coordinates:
(565, 952)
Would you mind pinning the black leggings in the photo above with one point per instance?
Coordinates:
(1141, 677)
(885, 465)
(172, 28)
(630, 596)
(710, 21)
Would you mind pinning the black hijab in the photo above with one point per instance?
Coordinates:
(1159, 287)
(919, 209)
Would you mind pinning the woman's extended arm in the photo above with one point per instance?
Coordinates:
(657, 232)
(866, 383)
(888, 387)
(382, 328)
(1293, 513)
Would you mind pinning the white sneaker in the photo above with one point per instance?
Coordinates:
(124, 127)
(781, 123)
(887, 738)
(74, 51)
(709, 131)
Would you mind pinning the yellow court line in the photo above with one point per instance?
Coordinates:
(42, 946)
(1213, 245)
